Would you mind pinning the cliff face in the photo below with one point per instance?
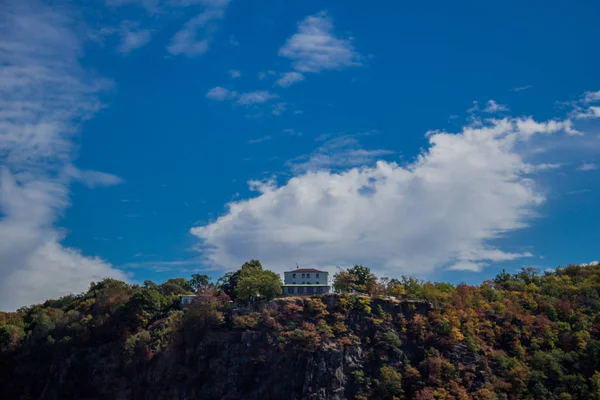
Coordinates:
(299, 348)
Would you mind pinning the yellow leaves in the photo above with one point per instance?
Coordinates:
(583, 338)
(456, 334)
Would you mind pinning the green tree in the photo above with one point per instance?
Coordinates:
(389, 384)
(199, 280)
(256, 283)
(176, 286)
(363, 276)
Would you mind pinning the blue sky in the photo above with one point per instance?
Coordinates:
(147, 139)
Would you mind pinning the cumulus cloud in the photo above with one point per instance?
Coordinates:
(493, 107)
(44, 93)
(220, 93)
(248, 99)
(442, 210)
(195, 36)
(587, 106)
(289, 78)
(257, 97)
(315, 47)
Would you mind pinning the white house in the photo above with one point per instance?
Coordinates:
(186, 299)
(305, 281)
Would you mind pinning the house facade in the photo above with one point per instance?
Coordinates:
(305, 281)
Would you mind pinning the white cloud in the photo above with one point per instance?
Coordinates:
(315, 47)
(262, 75)
(133, 39)
(342, 151)
(151, 6)
(292, 132)
(587, 167)
(234, 73)
(442, 210)
(220, 93)
(521, 88)
(528, 126)
(591, 97)
(493, 107)
(583, 108)
(289, 78)
(590, 112)
(195, 36)
(279, 108)
(91, 178)
(43, 94)
(257, 97)
(260, 139)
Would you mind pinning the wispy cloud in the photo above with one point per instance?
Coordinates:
(279, 108)
(262, 75)
(234, 73)
(315, 47)
(581, 191)
(132, 39)
(219, 93)
(44, 95)
(289, 78)
(493, 107)
(195, 36)
(587, 106)
(257, 97)
(292, 132)
(521, 88)
(587, 167)
(260, 139)
(338, 151)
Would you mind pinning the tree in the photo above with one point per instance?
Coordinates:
(256, 283)
(228, 282)
(359, 278)
(343, 281)
(175, 286)
(389, 384)
(199, 280)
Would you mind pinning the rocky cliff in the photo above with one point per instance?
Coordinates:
(276, 350)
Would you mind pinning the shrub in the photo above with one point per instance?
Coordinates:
(249, 321)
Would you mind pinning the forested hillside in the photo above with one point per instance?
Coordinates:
(521, 336)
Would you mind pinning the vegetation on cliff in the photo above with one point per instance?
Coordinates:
(519, 336)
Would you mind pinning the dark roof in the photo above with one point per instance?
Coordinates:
(305, 270)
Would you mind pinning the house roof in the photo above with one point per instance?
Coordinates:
(305, 270)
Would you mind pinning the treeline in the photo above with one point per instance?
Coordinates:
(528, 335)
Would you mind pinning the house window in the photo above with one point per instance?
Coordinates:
(290, 290)
(308, 275)
(317, 276)
(303, 275)
(294, 276)
(309, 290)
